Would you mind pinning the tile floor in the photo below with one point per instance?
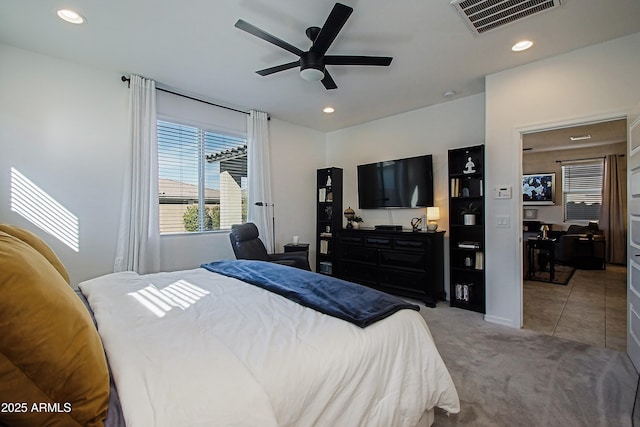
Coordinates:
(591, 308)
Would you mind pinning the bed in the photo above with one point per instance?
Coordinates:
(199, 347)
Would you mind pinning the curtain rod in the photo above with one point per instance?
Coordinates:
(587, 158)
(128, 80)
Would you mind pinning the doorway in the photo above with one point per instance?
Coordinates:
(591, 306)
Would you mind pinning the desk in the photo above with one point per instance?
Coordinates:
(546, 245)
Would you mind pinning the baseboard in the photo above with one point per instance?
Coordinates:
(501, 321)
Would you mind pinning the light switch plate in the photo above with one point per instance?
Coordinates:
(503, 221)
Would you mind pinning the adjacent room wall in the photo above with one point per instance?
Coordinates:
(596, 82)
(64, 127)
(545, 162)
(433, 130)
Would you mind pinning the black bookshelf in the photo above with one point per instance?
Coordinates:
(329, 219)
(467, 234)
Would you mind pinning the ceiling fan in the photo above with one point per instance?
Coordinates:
(312, 62)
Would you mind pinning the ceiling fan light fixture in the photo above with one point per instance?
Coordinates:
(312, 74)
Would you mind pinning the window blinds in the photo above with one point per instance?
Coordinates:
(582, 190)
(202, 159)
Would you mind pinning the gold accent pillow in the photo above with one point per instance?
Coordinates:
(39, 245)
(53, 370)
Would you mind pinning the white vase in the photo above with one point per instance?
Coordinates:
(469, 219)
(356, 225)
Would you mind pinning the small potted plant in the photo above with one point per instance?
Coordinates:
(356, 220)
(469, 213)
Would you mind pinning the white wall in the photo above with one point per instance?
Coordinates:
(433, 130)
(64, 126)
(296, 153)
(596, 82)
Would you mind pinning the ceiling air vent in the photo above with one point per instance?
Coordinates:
(485, 15)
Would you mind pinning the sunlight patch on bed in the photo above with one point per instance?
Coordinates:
(181, 294)
(43, 211)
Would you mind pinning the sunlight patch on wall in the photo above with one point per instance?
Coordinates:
(181, 294)
(43, 211)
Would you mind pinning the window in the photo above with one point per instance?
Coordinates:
(202, 182)
(582, 190)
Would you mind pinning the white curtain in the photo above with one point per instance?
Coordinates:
(138, 246)
(259, 176)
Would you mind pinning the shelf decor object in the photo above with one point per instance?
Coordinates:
(349, 214)
(466, 228)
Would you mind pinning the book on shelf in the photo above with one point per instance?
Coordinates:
(326, 267)
(466, 244)
(322, 194)
(324, 247)
(455, 187)
(464, 292)
(324, 234)
(479, 264)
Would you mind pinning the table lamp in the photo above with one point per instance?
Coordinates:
(545, 231)
(433, 214)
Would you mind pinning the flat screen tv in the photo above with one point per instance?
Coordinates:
(401, 183)
(539, 189)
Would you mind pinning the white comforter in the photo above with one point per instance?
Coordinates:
(231, 354)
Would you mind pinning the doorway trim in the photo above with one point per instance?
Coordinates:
(517, 134)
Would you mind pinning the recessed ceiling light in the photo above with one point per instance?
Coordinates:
(522, 45)
(580, 138)
(329, 110)
(449, 93)
(71, 16)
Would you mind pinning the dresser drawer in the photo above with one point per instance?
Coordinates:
(378, 242)
(405, 259)
(411, 244)
(358, 253)
(403, 280)
(359, 273)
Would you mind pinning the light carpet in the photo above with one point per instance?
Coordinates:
(515, 377)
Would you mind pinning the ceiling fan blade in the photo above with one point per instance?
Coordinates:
(252, 29)
(278, 68)
(328, 81)
(334, 23)
(357, 60)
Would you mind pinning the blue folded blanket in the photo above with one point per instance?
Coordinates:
(348, 301)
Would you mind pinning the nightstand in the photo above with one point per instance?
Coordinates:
(300, 247)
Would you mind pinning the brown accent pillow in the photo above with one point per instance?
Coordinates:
(51, 355)
(39, 245)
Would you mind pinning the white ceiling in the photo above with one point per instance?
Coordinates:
(600, 133)
(194, 47)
